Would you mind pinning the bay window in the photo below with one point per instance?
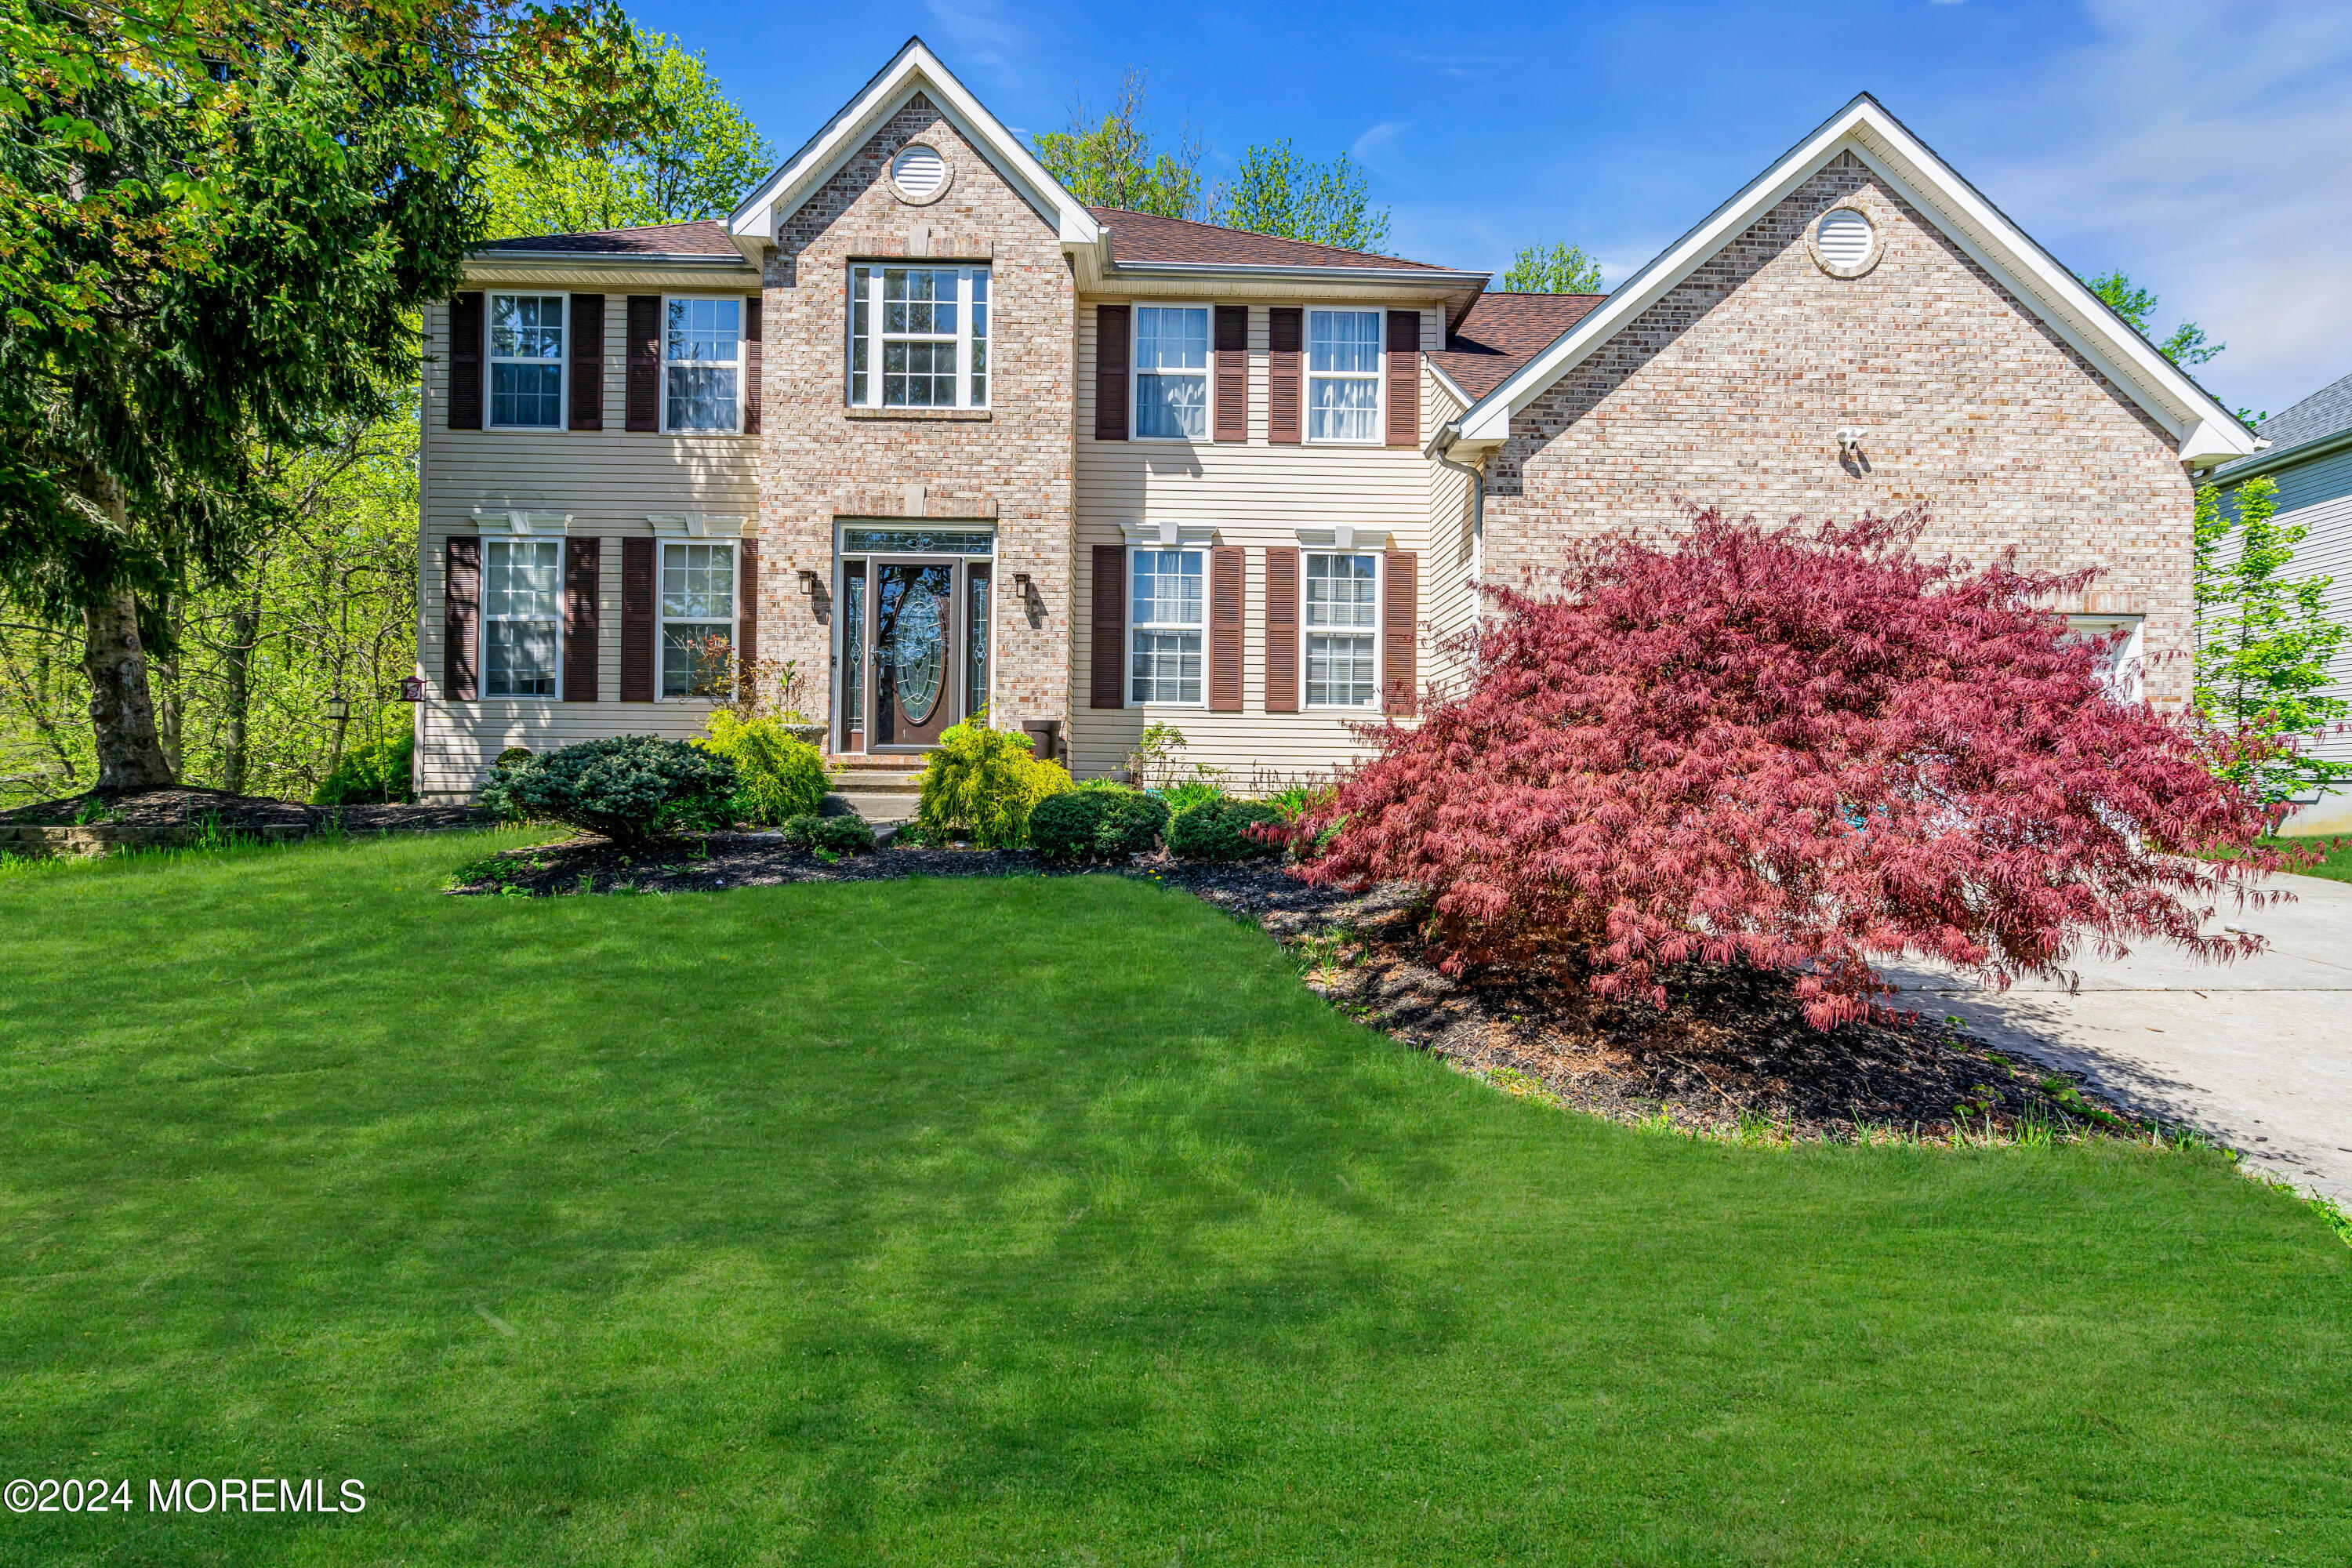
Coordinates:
(527, 361)
(1342, 623)
(1343, 375)
(1164, 626)
(697, 619)
(1171, 372)
(918, 337)
(522, 616)
(702, 362)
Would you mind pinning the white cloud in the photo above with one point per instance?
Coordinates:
(1366, 149)
(981, 36)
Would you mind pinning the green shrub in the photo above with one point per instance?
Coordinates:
(848, 834)
(1295, 801)
(1183, 797)
(1217, 830)
(1095, 822)
(628, 787)
(381, 772)
(986, 782)
(777, 774)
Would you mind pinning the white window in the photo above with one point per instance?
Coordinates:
(702, 358)
(527, 361)
(1343, 375)
(2125, 665)
(1164, 626)
(1342, 628)
(697, 619)
(918, 337)
(1171, 372)
(522, 617)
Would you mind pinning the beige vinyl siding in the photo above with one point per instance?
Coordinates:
(1449, 595)
(609, 481)
(1253, 495)
(2318, 496)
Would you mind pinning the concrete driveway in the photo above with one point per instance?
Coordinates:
(2257, 1055)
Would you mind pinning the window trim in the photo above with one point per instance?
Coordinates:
(1380, 608)
(1309, 376)
(741, 390)
(1208, 372)
(663, 544)
(1127, 614)
(491, 359)
(872, 268)
(482, 615)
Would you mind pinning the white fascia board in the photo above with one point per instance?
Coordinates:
(2204, 429)
(913, 70)
(1447, 382)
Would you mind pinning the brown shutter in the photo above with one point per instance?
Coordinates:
(752, 365)
(461, 608)
(466, 362)
(1225, 629)
(582, 581)
(1404, 378)
(1285, 328)
(642, 397)
(746, 611)
(1110, 374)
(587, 326)
(637, 620)
(1400, 618)
(1282, 630)
(1232, 373)
(1109, 659)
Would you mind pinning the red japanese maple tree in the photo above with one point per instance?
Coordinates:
(1797, 750)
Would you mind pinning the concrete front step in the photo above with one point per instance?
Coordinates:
(875, 808)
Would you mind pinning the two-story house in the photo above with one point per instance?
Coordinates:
(917, 421)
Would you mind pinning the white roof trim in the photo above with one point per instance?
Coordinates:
(912, 70)
(2205, 431)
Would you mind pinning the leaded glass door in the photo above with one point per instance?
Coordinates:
(914, 634)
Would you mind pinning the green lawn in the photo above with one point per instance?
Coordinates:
(1041, 1222)
(2335, 850)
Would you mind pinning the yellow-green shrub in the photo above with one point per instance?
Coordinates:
(984, 782)
(777, 773)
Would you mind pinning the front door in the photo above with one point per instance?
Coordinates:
(915, 642)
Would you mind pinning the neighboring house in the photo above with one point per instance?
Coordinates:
(2310, 460)
(916, 420)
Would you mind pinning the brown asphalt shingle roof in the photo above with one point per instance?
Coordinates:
(705, 238)
(1501, 333)
(1142, 236)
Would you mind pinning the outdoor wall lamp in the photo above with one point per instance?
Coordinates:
(808, 582)
(1849, 440)
(1022, 579)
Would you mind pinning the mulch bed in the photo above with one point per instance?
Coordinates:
(184, 807)
(1729, 1054)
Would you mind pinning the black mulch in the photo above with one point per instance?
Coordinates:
(187, 807)
(1729, 1052)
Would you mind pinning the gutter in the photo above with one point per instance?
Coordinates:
(2279, 458)
(611, 258)
(1424, 277)
(1439, 446)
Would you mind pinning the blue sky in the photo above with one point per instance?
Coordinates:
(2205, 148)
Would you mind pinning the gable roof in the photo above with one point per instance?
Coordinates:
(2205, 431)
(913, 70)
(707, 238)
(1503, 332)
(1146, 238)
(2328, 412)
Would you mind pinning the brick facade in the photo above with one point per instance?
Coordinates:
(1729, 390)
(821, 461)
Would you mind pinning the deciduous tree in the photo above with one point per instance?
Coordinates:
(1112, 163)
(1553, 269)
(1275, 191)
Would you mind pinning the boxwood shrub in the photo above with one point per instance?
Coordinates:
(846, 834)
(629, 788)
(1215, 830)
(1095, 824)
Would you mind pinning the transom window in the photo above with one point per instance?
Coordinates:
(527, 361)
(697, 619)
(1165, 623)
(522, 616)
(1343, 375)
(1342, 627)
(702, 355)
(1171, 372)
(918, 337)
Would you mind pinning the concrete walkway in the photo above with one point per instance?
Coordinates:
(2257, 1055)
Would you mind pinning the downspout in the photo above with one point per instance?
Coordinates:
(1438, 450)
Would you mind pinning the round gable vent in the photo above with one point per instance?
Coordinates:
(919, 172)
(1844, 240)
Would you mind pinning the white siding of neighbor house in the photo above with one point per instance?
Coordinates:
(1253, 495)
(609, 481)
(2318, 496)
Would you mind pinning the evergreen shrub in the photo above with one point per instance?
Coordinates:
(629, 788)
(1096, 821)
(985, 783)
(1220, 830)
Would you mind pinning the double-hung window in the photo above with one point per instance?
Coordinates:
(522, 616)
(918, 337)
(1343, 375)
(697, 619)
(1171, 372)
(1165, 626)
(1343, 594)
(527, 361)
(702, 360)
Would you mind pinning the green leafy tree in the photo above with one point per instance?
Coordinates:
(2264, 640)
(1112, 163)
(1275, 191)
(2185, 347)
(1554, 269)
(692, 158)
(216, 223)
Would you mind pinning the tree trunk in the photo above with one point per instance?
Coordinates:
(244, 625)
(122, 710)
